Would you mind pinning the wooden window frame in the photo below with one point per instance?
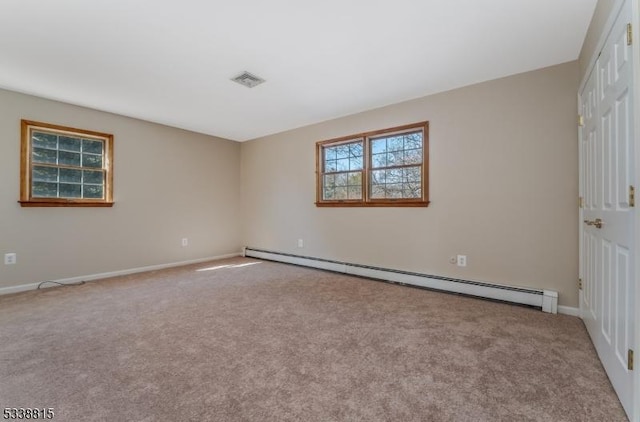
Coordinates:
(26, 166)
(366, 200)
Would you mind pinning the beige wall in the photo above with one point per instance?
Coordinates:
(503, 187)
(168, 184)
(503, 191)
(598, 21)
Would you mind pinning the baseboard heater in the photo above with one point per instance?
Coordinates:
(546, 300)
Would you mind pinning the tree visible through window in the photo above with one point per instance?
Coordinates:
(382, 168)
(62, 166)
(343, 171)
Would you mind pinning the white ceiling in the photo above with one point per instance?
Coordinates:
(170, 61)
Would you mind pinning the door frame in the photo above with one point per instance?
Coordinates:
(635, 21)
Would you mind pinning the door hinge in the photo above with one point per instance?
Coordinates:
(632, 196)
(580, 202)
(580, 284)
(629, 34)
(630, 360)
(580, 120)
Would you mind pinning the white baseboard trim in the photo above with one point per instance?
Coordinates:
(569, 310)
(91, 277)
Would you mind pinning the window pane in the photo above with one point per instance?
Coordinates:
(329, 180)
(40, 155)
(354, 178)
(343, 157)
(378, 177)
(90, 160)
(342, 151)
(378, 146)
(341, 192)
(394, 176)
(393, 190)
(412, 174)
(396, 183)
(328, 193)
(343, 164)
(68, 143)
(93, 191)
(413, 156)
(413, 140)
(355, 163)
(44, 190)
(397, 150)
(45, 140)
(379, 160)
(69, 158)
(94, 147)
(377, 191)
(341, 179)
(70, 175)
(395, 143)
(93, 177)
(411, 190)
(394, 158)
(44, 174)
(354, 192)
(355, 150)
(68, 190)
(329, 153)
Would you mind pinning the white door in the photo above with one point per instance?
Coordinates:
(607, 267)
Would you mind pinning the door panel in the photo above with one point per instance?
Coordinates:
(605, 279)
(624, 149)
(623, 292)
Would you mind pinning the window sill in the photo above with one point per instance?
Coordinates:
(64, 203)
(397, 204)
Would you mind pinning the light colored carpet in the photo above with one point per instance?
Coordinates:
(259, 341)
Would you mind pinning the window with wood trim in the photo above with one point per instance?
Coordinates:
(65, 167)
(387, 167)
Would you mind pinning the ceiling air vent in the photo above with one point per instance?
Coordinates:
(247, 79)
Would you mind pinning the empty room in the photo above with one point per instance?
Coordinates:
(319, 211)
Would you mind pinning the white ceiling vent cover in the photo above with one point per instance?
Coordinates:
(248, 79)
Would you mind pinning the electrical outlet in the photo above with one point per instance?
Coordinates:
(10, 258)
(300, 243)
(185, 241)
(462, 260)
(453, 260)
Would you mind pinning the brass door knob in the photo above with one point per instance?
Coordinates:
(597, 222)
